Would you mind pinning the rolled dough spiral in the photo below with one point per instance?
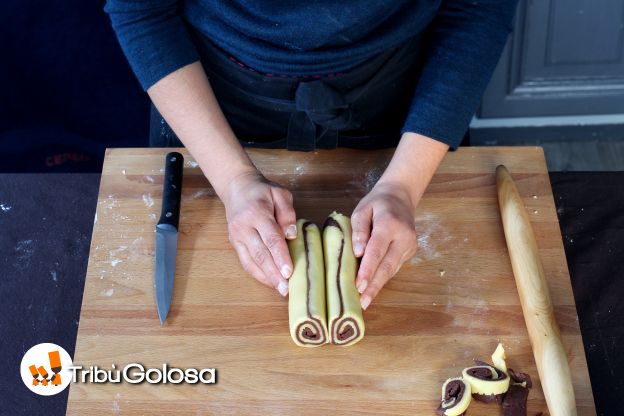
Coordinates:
(344, 312)
(306, 303)
(456, 396)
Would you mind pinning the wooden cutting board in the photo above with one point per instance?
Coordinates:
(451, 303)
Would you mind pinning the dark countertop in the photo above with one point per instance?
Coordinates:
(45, 232)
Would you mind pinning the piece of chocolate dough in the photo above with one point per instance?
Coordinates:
(515, 402)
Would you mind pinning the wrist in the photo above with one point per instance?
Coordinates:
(401, 188)
(415, 160)
(227, 184)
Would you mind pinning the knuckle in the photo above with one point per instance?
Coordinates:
(273, 241)
(375, 254)
(243, 218)
(386, 268)
(259, 257)
(286, 194)
(358, 217)
(387, 219)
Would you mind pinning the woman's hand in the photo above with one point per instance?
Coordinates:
(384, 233)
(260, 217)
(389, 211)
(260, 213)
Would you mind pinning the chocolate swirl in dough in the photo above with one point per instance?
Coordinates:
(455, 397)
(489, 383)
(306, 303)
(344, 312)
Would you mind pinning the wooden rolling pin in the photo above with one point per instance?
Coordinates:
(537, 307)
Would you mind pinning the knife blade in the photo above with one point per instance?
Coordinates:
(167, 234)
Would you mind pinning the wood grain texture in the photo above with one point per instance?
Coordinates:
(451, 303)
(534, 294)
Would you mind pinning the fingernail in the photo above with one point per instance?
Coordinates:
(282, 288)
(286, 271)
(358, 249)
(361, 287)
(365, 301)
(291, 231)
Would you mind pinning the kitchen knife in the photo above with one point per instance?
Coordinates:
(167, 234)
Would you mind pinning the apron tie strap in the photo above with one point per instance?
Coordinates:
(318, 107)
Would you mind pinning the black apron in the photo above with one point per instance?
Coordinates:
(364, 108)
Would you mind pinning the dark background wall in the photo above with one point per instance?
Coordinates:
(66, 91)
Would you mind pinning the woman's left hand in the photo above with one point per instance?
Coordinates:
(384, 234)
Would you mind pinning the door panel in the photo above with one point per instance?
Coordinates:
(565, 58)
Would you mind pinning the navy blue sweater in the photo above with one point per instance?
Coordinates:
(327, 36)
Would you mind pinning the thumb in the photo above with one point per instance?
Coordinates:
(284, 211)
(361, 221)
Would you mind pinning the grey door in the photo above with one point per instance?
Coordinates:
(561, 75)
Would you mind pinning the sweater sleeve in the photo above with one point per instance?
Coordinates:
(466, 40)
(153, 36)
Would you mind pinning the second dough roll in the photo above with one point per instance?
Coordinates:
(306, 302)
(344, 312)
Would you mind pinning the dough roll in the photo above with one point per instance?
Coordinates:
(344, 312)
(456, 396)
(307, 314)
(489, 383)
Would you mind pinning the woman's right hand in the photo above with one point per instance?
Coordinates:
(260, 218)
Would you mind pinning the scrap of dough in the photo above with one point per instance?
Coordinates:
(344, 312)
(456, 396)
(307, 314)
(498, 358)
(485, 380)
(489, 380)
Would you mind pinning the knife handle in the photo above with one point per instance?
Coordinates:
(172, 189)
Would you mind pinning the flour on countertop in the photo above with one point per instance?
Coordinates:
(191, 164)
(297, 172)
(149, 178)
(202, 192)
(112, 255)
(481, 308)
(432, 238)
(139, 248)
(5, 207)
(148, 200)
(365, 181)
(107, 292)
(119, 217)
(110, 202)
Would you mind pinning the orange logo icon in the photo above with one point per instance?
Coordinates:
(37, 377)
